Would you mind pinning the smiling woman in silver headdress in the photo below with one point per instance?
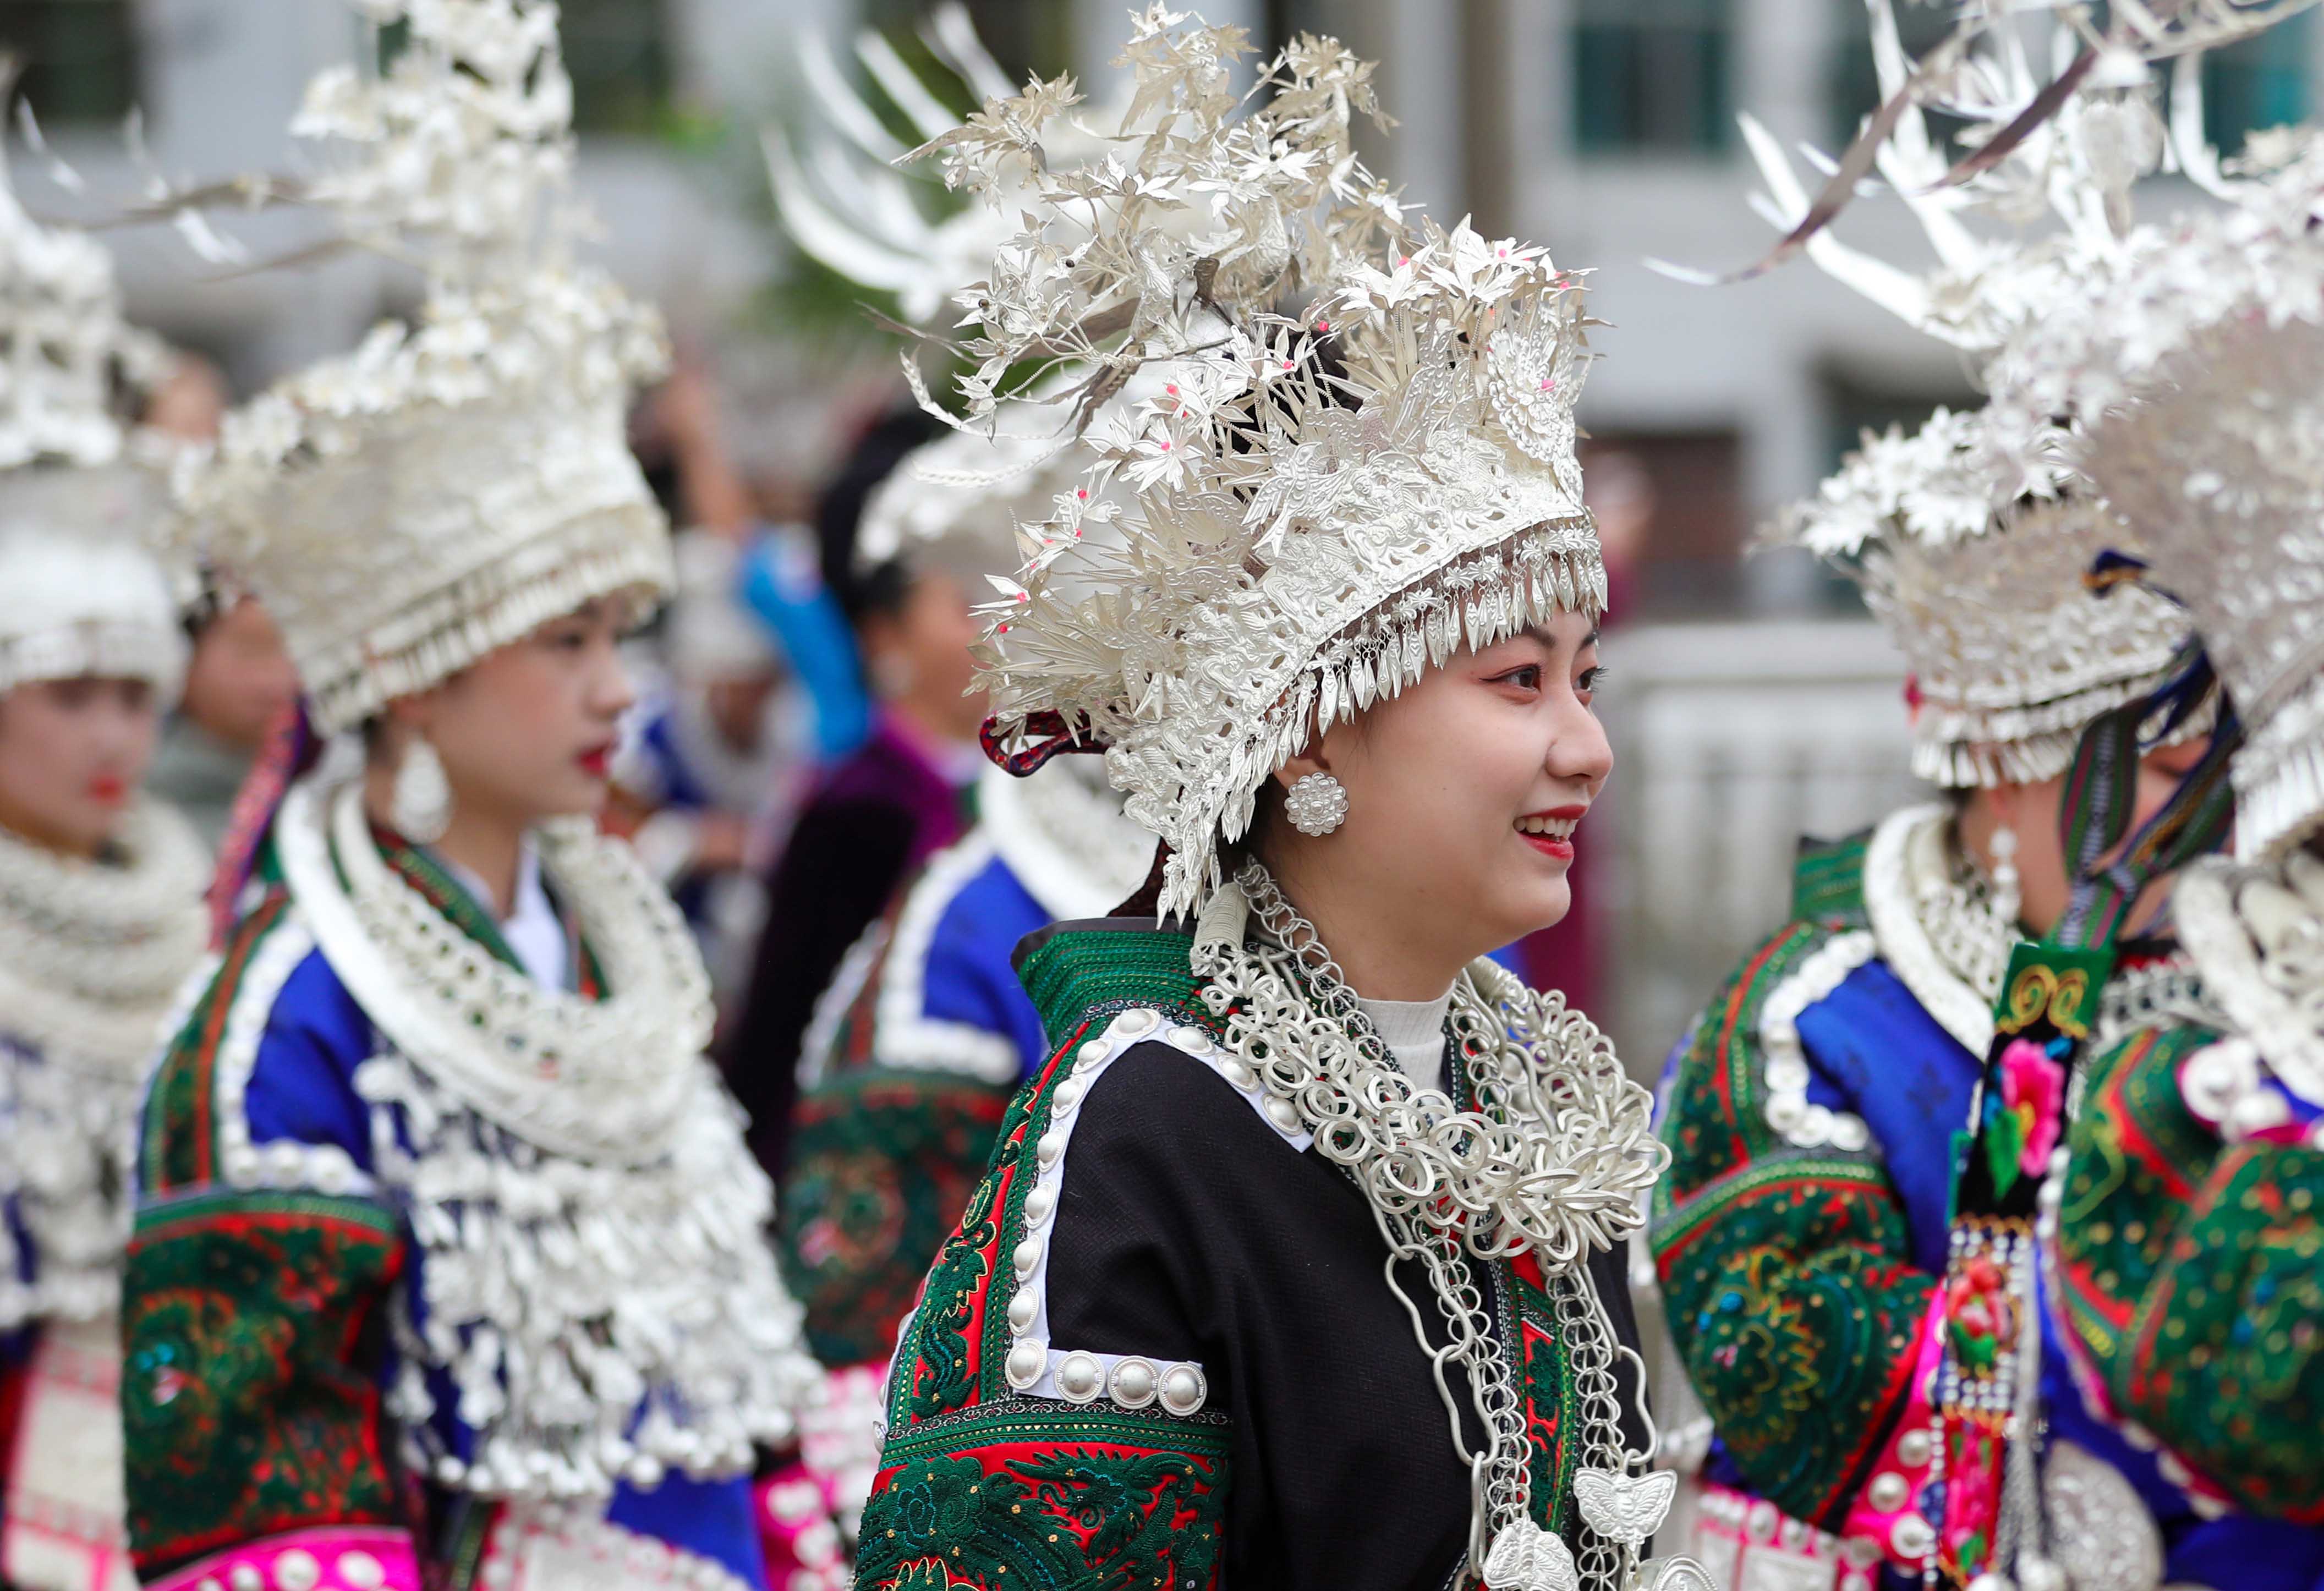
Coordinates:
(1296, 1264)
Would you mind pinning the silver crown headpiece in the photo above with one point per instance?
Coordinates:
(1971, 538)
(454, 483)
(2198, 381)
(1305, 531)
(2012, 657)
(80, 502)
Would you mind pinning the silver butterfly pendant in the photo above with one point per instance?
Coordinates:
(1525, 1557)
(1623, 1508)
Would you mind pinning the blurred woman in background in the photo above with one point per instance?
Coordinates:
(101, 918)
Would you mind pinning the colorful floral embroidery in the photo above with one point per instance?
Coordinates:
(2022, 1125)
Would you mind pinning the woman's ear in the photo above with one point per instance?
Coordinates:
(1315, 757)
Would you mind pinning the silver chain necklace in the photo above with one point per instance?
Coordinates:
(1551, 1160)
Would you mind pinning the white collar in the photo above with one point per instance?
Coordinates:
(1414, 1033)
(533, 930)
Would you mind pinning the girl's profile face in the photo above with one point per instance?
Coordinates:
(1466, 793)
(72, 754)
(528, 731)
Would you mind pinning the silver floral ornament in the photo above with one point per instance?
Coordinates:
(1317, 805)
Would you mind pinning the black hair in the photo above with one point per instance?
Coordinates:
(839, 515)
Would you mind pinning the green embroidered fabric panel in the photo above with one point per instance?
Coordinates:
(1786, 1273)
(245, 1413)
(1716, 1119)
(1797, 1314)
(178, 1145)
(2194, 1274)
(883, 1163)
(1025, 1492)
(1552, 1403)
(983, 1488)
(1075, 972)
(1828, 881)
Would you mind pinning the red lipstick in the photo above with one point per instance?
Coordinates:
(108, 789)
(1551, 831)
(596, 761)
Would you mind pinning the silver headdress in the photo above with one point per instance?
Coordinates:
(79, 591)
(451, 484)
(1971, 552)
(1299, 541)
(2198, 379)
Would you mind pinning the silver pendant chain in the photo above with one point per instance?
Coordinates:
(1552, 1161)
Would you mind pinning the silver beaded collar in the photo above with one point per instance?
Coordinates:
(1552, 1159)
(598, 1079)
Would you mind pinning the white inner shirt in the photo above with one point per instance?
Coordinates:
(533, 930)
(1413, 1032)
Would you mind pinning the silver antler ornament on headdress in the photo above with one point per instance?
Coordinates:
(1972, 553)
(1301, 539)
(2197, 379)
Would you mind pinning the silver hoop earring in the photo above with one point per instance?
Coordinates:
(1317, 805)
(421, 806)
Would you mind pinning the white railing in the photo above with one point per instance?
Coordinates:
(1731, 741)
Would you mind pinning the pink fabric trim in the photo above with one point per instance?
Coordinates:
(1914, 1430)
(804, 1552)
(330, 1558)
(1746, 1540)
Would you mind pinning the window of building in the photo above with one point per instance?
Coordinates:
(2265, 81)
(1653, 75)
(79, 57)
(622, 57)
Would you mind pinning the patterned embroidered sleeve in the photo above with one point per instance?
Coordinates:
(1787, 1270)
(250, 1393)
(2191, 1274)
(1009, 1463)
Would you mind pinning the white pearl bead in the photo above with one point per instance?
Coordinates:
(1027, 1258)
(1861, 1552)
(1990, 1581)
(247, 1578)
(1025, 1362)
(1021, 1311)
(1282, 1113)
(361, 1570)
(1079, 1376)
(1050, 1148)
(1242, 1077)
(1090, 1054)
(1136, 1024)
(1040, 1204)
(1849, 1134)
(1066, 1098)
(1194, 1040)
(209, 1583)
(1183, 1389)
(1134, 1383)
(1785, 1111)
(1888, 1491)
(1913, 1449)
